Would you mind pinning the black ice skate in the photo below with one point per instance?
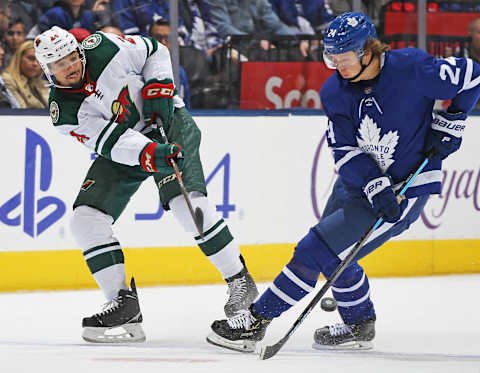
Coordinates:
(345, 337)
(239, 333)
(119, 322)
(242, 292)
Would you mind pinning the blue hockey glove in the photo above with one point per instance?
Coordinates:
(380, 194)
(158, 101)
(445, 134)
(157, 157)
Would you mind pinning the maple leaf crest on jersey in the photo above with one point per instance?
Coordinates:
(380, 148)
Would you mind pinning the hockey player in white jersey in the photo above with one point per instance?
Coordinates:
(107, 94)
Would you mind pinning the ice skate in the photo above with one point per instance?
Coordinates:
(239, 333)
(345, 337)
(119, 322)
(242, 292)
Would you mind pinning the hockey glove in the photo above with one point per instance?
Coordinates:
(380, 194)
(158, 157)
(445, 135)
(158, 101)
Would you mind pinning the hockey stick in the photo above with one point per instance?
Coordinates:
(197, 214)
(269, 351)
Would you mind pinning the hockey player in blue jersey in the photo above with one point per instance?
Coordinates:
(380, 126)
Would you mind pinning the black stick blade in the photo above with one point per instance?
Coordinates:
(269, 351)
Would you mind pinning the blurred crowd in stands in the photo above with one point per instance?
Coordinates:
(214, 37)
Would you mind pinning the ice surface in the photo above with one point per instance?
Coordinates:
(429, 324)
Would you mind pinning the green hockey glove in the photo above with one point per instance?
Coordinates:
(158, 101)
(157, 157)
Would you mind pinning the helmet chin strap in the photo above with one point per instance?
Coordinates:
(361, 70)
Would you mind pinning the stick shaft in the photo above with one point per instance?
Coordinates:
(270, 351)
(178, 175)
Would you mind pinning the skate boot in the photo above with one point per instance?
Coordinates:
(239, 333)
(345, 337)
(119, 322)
(242, 292)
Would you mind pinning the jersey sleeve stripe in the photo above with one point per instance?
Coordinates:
(148, 44)
(468, 83)
(154, 44)
(112, 140)
(99, 143)
(347, 157)
(468, 76)
(427, 177)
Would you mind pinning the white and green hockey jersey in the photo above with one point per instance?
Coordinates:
(106, 113)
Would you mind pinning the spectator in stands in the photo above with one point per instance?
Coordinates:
(196, 28)
(111, 30)
(257, 19)
(67, 14)
(160, 30)
(134, 16)
(369, 7)
(29, 11)
(473, 50)
(4, 15)
(474, 40)
(448, 51)
(14, 37)
(305, 16)
(7, 100)
(102, 13)
(23, 77)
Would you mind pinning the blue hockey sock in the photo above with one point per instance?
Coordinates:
(352, 293)
(290, 286)
(296, 280)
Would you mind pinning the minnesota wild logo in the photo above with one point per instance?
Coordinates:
(124, 110)
(92, 41)
(381, 149)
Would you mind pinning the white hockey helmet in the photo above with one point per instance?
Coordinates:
(53, 45)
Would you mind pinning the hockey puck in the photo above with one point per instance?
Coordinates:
(328, 304)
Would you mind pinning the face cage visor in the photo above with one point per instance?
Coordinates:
(64, 63)
(347, 59)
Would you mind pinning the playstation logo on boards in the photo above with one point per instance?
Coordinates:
(32, 206)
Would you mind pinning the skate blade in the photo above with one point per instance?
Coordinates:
(241, 346)
(127, 333)
(349, 346)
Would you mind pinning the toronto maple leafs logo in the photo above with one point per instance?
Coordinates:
(380, 149)
(352, 21)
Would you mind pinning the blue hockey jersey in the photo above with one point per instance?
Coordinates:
(379, 126)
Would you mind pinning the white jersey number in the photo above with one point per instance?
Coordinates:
(447, 70)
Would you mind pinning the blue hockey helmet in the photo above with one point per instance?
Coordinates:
(349, 32)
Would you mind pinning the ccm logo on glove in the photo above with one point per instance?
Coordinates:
(159, 90)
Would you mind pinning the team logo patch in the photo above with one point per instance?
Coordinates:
(117, 108)
(381, 149)
(87, 184)
(352, 21)
(92, 41)
(54, 112)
